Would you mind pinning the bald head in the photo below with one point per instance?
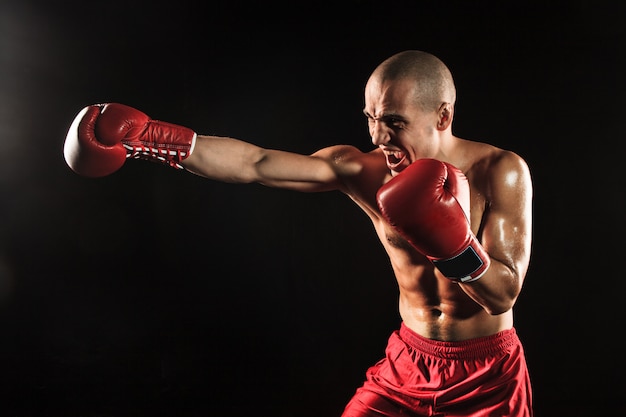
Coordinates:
(433, 81)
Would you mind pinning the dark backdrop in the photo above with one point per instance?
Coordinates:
(153, 292)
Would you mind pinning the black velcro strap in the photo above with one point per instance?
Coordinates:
(462, 266)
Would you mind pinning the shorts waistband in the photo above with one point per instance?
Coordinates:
(464, 349)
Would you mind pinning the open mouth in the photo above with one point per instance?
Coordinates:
(395, 159)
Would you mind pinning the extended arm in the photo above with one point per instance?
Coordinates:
(103, 136)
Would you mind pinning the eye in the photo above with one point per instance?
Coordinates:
(395, 123)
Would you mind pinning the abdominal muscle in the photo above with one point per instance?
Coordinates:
(449, 320)
(433, 306)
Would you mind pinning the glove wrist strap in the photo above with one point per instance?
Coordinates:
(469, 265)
(162, 142)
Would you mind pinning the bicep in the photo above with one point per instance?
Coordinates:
(506, 232)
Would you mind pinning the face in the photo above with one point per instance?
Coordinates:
(397, 125)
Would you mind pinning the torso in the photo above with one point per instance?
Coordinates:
(430, 304)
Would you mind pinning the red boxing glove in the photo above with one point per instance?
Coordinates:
(102, 136)
(428, 204)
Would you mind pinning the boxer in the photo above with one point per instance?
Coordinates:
(454, 215)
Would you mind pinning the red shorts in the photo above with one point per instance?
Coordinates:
(481, 377)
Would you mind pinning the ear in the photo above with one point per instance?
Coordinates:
(444, 116)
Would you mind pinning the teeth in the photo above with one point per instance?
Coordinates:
(397, 155)
(394, 155)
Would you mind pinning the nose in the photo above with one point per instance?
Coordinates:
(379, 132)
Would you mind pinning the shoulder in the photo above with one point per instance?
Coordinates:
(360, 173)
(488, 161)
(507, 168)
(500, 173)
(347, 158)
(341, 153)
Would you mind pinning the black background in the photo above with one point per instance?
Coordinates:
(153, 292)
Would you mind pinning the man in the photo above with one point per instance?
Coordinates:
(453, 215)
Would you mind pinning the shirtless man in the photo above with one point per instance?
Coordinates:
(453, 215)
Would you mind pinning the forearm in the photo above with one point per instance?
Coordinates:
(224, 159)
(497, 290)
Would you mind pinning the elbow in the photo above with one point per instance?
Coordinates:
(501, 304)
(505, 288)
(499, 308)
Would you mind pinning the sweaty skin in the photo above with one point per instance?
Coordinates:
(402, 131)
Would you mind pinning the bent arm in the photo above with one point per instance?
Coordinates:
(506, 235)
(235, 161)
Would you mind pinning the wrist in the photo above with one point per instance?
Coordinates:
(468, 265)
